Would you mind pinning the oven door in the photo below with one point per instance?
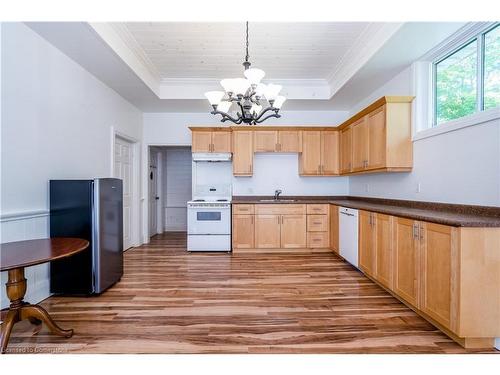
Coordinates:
(209, 220)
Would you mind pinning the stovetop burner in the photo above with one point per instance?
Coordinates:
(221, 200)
(199, 200)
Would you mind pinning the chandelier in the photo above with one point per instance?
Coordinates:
(247, 96)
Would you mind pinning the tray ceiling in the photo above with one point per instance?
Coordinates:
(211, 50)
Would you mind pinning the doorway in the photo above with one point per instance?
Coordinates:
(170, 188)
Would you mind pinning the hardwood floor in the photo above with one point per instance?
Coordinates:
(170, 301)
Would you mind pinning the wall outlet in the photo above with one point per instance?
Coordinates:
(367, 188)
(418, 188)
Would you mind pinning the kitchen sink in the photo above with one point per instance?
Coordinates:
(278, 200)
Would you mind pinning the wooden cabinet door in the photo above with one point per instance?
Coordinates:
(329, 152)
(366, 257)
(346, 150)
(439, 256)
(310, 159)
(243, 231)
(334, 228)
(406, 260)
(267, 231)
(359, 145)
(376, 137)
(242, 153)
(221, 141)
(289, 141)
(293, 231)
(266, 141)
(201, 141)
(384, 267)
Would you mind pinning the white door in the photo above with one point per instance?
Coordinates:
(123, 170)
(153, 195)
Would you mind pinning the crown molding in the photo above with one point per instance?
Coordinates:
(366, 45)
(194, 88)
(127, 49)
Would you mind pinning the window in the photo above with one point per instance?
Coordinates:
(467, 80)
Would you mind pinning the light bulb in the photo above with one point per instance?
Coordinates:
(241, 86)
(254, 75)
(272, 91)
(214, 97)
(228, 85)
(256, 108)
(224, 106)
(278, 102)
(260, 89)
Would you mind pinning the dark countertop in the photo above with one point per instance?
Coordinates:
(441, 213)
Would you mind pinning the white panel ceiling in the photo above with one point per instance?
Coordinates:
(309, 50)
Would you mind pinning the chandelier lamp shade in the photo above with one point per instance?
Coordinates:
(246, 100)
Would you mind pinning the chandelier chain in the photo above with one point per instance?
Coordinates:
(247, 56)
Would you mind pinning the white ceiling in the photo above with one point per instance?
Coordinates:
(110, 53)
(308, 50)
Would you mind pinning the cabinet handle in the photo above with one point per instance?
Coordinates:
(252, 219)
(370, 219)
(421, 230)
(415, 231)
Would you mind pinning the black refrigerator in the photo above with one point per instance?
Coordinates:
(93, 210)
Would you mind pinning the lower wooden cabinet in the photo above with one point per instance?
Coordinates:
(267, 231)
(439, 269)
(406, 260)
(384, 251)
(243, 231)
(293, 231)
(334, 228)
(366, 246)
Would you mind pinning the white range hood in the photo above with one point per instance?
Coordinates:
(211, 156)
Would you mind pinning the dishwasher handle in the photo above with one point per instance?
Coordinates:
(345, 213)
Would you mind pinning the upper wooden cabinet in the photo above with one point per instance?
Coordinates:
(346, 150)
(243, 153)
(211, 140)
(320, 153)
(277, 141)
(380, 138)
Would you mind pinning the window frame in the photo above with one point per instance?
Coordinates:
(479, 38)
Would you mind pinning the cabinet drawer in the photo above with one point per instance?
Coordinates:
(243, 209)
(317, 240)
(280, 209)
(317, 209)
(317, 223)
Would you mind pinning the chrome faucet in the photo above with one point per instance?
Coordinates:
(277, 194)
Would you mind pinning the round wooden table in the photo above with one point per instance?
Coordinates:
(14, 257)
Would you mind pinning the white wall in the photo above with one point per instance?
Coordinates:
(462, 166)
(56, 123)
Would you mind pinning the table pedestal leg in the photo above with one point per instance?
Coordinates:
(20, 310)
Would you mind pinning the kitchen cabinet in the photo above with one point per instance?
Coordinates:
(334, 228)
(243, 231)
(376, 139)
(318, 226)
(293, 231)
(375, 246)
(211, 140)
(242, 153)
(366, 248)
(407, 260)
(267, 231)
(384, 268)
(360, 145)
(438, 271)
(346, 150)
(310, 159)
(290, 141)
(266, 141)
(277, 141)
(320, 153)
(380, 138)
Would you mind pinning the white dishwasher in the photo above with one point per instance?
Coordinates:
(348, 235)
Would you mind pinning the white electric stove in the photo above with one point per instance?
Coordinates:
(209, 219)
